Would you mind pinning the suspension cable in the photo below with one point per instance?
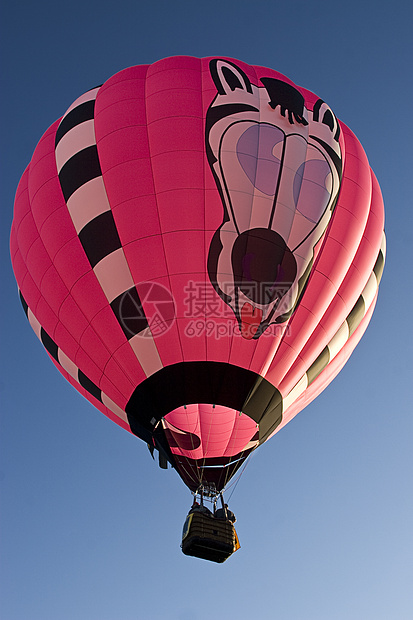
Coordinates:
(234, 484)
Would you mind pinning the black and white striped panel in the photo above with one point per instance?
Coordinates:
(345, 331)
(70, 367)
(83, 188)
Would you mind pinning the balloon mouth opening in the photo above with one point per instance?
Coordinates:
(186, 438)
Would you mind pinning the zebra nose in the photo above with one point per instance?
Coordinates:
(263, 266)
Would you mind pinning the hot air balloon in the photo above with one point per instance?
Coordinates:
(198, 245)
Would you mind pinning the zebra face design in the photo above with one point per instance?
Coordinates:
(277, 167)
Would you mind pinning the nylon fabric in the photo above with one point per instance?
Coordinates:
(198, 245)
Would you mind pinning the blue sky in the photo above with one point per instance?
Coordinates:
(90, 526)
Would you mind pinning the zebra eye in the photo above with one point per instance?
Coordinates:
(259, 157)
(312, 189)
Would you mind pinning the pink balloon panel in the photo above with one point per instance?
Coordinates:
(198, 245)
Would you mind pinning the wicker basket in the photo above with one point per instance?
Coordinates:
(208, 538)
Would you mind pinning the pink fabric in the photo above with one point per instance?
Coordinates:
(348, 293)
(150, 129)
(334, 259)
(90, 398)
(329, 373)
(56, 231)
(220, 431)
(127, 360)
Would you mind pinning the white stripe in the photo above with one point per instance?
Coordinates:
(338, 340)
(369, 291)
(114, 275)
(34, 323)
(297, 390)
(75, 140)
(113, 407)
(69, 366)
(251, 444)
(87, 202)
(383, 245)
(145, 350)
(89, 96)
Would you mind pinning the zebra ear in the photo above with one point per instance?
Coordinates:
(228, 77)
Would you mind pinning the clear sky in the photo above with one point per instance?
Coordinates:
(90, 526)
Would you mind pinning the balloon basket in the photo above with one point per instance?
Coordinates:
(208, 538)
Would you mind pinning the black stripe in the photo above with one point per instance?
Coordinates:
(24, 304)
(356, 315)
(80, 114)
(205, 382)
(318, 365)
(129, 312)
(49, 344)
(316, 109)
(79, 169)
(100, 237)
(89, 386)
(379, 266)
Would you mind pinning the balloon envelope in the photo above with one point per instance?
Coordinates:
(198, 245)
